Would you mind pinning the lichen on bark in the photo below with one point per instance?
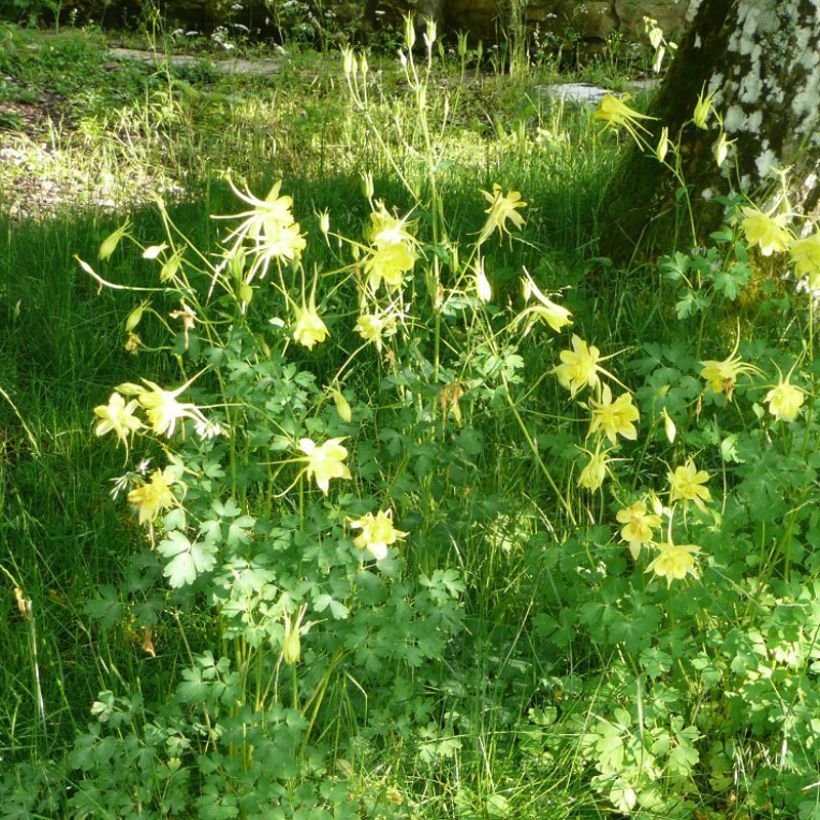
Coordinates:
(760, 59)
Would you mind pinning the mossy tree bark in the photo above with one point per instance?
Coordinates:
(760, 59)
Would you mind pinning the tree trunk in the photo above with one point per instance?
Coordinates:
(760, 59)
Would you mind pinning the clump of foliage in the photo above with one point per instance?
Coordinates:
(373, 450)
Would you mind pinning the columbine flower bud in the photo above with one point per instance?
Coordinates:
(663, 145)
(703, 108)
(367, 185)
(342, 405)
(721, 149)
(292, 640)
(482, 284)
(409, 31)
(430, 34)
(348, 60)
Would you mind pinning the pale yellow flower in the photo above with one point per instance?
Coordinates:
(579, 366)
(805, 254)
(614, 111)
(674, 562)
(686, 484)
(162, 408)
(638, 527)
(386, 229)
(324, 461)
(595, 470)
(117, 416)
(785, 401)
(373, 327)
(503, 207)
(614, 418)
(721, 376)
(270, 227)
(378, 533)
(555, 315)
(388, 263)
(152, 498)
(769, 233)
(309, 329)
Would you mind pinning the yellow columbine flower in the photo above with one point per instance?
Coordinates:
(270, 226)
(805, 254)
(674, 562)
(117, 416)
(378, 533)
(386, 229)
(686, 484)
(502, 208)
(768, 232)
(309, 329)
(638, 526)
(785, 400)
(324, 461)
(721, 376)
(614, 112)
(373, 328)
(595, 470)
(162, 408)
(614, 418)
(389, 262)
(579, 366)
(556, 316)
(155, 496)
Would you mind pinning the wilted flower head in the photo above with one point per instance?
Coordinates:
(374, 327)
(378, 533)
